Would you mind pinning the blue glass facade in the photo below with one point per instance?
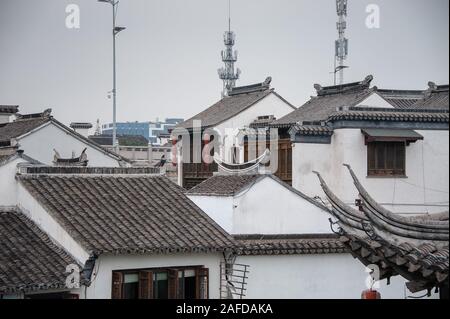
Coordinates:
(128, 129)
(150, 130)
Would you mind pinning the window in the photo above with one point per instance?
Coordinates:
(187, 284)
(131, 286)
(253, 150)
(166, 283)
(235, 155)
(386, 159)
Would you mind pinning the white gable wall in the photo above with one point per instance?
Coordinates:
(40, 144)
(270, 208)
(8, 184)
(219, 208)
(375, 100)
(270, 105)
(266, 208)
(426, 188)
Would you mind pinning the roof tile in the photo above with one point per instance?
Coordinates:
(29, 260)
(127, 213)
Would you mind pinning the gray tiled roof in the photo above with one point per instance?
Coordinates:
(290, 244)
(127, 213)
(313, 130)
(29, 260)
(320, 107)
(436, 98)
(224, 185)
(401, 99)
(226, 108)
(380, 114)
(124, 140)
(21, 127)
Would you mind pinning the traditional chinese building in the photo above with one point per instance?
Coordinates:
(124, 233)
(414, 247)
(228, 117)
(40, 135)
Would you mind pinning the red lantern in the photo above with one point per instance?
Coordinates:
(370, 295)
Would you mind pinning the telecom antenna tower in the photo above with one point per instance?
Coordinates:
(342, 42)
(228, 74)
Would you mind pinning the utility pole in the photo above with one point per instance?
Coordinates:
(116, 30)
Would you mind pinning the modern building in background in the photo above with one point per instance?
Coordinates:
(155, 132)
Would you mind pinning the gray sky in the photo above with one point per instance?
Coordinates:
(169, 55)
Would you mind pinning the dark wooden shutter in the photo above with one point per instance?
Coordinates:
(117, 283)
(145, 285)
(173, 283)
(202, 276)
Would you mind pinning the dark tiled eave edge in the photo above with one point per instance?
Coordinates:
(89, 171)
(304, 244)
(313, 130)
(393, 116)
(169, 250)
(370, 114)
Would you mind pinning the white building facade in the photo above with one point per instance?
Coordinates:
(290, 249)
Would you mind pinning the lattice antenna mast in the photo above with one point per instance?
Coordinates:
(342, 42)
(228, 74)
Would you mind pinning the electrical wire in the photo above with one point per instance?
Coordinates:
(427, 188)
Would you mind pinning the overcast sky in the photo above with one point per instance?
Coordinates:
(169, 55)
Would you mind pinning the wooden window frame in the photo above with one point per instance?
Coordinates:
(285, 157)
(387, 172)
(146, 287)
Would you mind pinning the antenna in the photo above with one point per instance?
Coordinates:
(342, 43)
(228, 74)
(229, 15)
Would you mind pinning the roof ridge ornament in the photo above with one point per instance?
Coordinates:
(344, 88)
(46, 114)
(259, 87)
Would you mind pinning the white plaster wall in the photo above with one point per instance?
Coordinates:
(266, 208)
(8, 184)
(40, 144)
(375, 100)
(270, 105)
(330, 276)
(101, 286)
(34, 210)
(426, 188)
(220, 209)
(271, 208)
